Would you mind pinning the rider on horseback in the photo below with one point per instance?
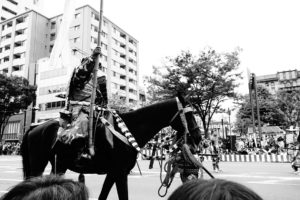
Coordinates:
(74, 118)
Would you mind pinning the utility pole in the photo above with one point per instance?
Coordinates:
(257, 105)
(223, 128)
(251, 87)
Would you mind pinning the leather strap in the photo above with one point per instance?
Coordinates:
(112, 129)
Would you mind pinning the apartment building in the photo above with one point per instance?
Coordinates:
(119, 61)
(12, 8)
(284, 80)
(27, 41)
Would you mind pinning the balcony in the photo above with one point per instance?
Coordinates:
(19, 49)
(6, 42)
(22, 25)
(18, 73)
(21, 37)
(19, 61)
(5, 53)
(6, 30)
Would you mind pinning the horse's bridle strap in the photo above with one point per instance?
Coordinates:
(112, 129)
(182, 116)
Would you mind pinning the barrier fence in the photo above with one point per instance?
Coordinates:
(285, 158)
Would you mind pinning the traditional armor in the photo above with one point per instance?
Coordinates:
(79, 98)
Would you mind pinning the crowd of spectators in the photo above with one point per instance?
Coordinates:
(10, 148)
(270, 144)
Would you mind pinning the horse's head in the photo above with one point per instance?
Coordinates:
(183, 116)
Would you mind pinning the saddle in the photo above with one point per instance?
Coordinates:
(76, 151)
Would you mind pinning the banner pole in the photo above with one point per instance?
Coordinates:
(93, 96)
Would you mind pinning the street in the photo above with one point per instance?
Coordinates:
(272, 181)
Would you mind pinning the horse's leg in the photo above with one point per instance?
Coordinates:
(37, 166)
(58, 167)
(107, 185)
(122, 186)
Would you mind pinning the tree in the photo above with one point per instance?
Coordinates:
(289, 106)
(16, 94)
(209, 79)
(268, 110)
(118, 103)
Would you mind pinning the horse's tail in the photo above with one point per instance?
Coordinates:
(25, 156)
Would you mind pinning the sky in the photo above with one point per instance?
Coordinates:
(268, 31)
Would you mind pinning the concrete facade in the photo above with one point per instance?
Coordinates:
(27, 40)
(285, 80)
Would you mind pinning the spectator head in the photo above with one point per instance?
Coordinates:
(47, 188)
(213, 189)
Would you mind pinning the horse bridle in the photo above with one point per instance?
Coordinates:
(181, 112)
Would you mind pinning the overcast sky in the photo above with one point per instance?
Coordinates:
(268, 31)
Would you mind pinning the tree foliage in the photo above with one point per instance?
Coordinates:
(118, 103)
(289, 106)
(16, 94)
(208, 78)
(268, 109)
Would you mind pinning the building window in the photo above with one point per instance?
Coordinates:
(123, 35)
(94, 40)
(122, 66)
(9, 24)
(17, 68)
(13, 128)
(76, 27)
(122, 87)
(104, 46)
(75, 40)
(20, 32)
(53, 25)
(103, 34)
(123, 77)
(21, 20)
(19, 44)
(77, 15)
(9, 10)
(123, 56)
(52, 36)
(55, 105)
(104, 58)
(7, 47)
(13, 2)
(50, 48)
(132, 91)
(3, 18)
(6, 59)
(8, 36)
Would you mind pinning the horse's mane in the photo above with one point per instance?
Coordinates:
(147, 110)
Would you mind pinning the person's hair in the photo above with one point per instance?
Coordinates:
(47, 188)
(213, 189)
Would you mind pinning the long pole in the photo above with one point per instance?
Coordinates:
(24, 122)
(257, 107)
(93, 96)
(251, 102)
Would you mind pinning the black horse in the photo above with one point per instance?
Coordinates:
(37, 146)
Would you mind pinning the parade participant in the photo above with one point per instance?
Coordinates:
(215, 156)
(213, 189)
(74, 118)
(296, 162)
(47, 188)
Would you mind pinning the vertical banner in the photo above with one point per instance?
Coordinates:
(61, 52)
